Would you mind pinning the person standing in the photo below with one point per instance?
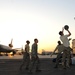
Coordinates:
(67, 49)
(26, 56)
(60, 49)
(34, 57)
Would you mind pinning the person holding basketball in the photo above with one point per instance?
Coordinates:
(66, 44)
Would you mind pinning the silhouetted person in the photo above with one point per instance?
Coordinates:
(34, 57)
(60, 49)
(26, 56)
(67, 49)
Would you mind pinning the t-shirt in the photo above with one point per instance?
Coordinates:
(34, 49)
(27, 48)
(65, 40)
(60, 48)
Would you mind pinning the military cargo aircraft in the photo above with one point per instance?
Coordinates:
(6, 49)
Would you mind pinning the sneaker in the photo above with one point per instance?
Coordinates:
(55, 67)
(38, 70)
(26, 68)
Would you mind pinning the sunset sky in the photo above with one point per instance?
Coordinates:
(28, 19)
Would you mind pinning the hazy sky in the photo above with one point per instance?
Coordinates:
(28, 19)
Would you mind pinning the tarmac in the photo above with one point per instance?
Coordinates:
(11, 67)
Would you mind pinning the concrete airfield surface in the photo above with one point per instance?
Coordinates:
(11, 67)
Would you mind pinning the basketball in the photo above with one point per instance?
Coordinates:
(66, 27)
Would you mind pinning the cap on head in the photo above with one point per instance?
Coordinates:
(27, 41)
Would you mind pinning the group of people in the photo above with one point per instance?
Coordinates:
(64, 48)
(29, 60)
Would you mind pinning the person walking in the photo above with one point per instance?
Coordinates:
(34, 57)
(26, 56)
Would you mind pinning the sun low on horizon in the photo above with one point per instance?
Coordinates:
(29, 19)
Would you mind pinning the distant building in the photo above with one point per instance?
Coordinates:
(45, 52)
